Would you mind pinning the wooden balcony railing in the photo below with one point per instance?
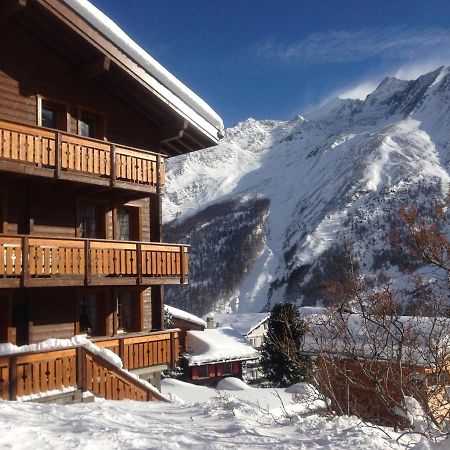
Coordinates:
(35, 261)
(30, 373)
(52, 153)
(144, 350)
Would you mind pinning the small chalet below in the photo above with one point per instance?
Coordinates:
(214, 354)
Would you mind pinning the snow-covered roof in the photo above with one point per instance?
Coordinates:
(160, 81)
(217, 345)
(180, 314)
(424, 340)
(244, 323)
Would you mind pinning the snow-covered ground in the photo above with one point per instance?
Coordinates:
(233, 416)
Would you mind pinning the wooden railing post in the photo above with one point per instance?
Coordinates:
(113, 165)
(158, 174)
(182, 268)
(139, 262)
(88, 268)
(58, 155)
(122, 352)
(173, 351)
(25, 261)
(81, 368)
(13, 377)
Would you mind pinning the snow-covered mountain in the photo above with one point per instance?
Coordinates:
(264, 210)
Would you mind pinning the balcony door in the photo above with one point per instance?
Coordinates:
(91, 220)
(127, 224)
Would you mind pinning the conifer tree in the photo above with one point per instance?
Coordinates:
(282, 361)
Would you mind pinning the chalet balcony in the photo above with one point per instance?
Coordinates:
(56, 154)
(77, 367)
(30, 261)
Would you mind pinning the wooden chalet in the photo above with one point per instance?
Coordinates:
(185, 322)
(216, 353)
(369, 367)
(87, 119)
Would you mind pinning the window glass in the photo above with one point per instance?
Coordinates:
(88, 217)
(124, 311)
(88, 314)
(49, 116)
(123, 224)
(203, 372)
(87, 126)
(227, 368)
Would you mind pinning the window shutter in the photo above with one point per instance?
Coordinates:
(195, 373)
(219, 370)
(236, 368)
(212, 371)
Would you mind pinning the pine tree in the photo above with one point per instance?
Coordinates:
(282, 361)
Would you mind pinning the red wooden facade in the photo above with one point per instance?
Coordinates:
(212, 373)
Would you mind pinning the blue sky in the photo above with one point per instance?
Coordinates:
(275, 59)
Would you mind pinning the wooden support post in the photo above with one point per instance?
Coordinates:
(139, 263)
(93, 69)
(81, 368)
(156, 230)
(157, 298)
(122, 353)
(87, 255)
(13, 377)
(182, 268)
(58, 155)
(113, 165)
(158, 174)
(25, 276)
(173, 351)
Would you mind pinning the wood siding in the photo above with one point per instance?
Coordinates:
(28, 67)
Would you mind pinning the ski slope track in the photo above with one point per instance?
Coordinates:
(349, 160)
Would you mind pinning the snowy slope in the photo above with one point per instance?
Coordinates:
(232, 418)
(350, 162)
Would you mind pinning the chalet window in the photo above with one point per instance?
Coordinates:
(87, 126)
(88, 220)
(52, 114)
(49, 116)
(203, 372)
(91, 124)
(127, 224)
(227, 369)
(123, 224)
(124, 311)
(88, 314)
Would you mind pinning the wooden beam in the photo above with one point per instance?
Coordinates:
(174, 131)
(93, 69)
(11, 7)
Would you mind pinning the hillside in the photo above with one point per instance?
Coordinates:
(266, 210)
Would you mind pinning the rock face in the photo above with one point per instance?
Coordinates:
(266, 210)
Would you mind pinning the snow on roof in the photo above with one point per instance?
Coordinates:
(217, 345)
(165, 85)
(180, 314)
(424, 339)
(244, 323)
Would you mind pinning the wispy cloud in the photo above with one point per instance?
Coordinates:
(394, 43)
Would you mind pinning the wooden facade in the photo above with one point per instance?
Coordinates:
(211, 374)
(371, 389)
(83, 142)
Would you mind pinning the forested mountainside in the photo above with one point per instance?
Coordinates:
(267, 211)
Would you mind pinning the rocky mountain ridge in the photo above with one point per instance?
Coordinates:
(282, 194)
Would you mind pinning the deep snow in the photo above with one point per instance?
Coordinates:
(202, 417)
